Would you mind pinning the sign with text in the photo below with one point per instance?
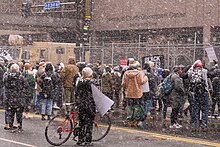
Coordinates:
(211, 54)
(123, 62)
(4, 54)
(157, 59)
(52, 5)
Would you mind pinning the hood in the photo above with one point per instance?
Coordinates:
(132, 73)
(217, 72)
(72, 60)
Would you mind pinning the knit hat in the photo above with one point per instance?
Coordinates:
(135, 64)
(87, 72)
(14, 68)
(27, 66)
(42, 64)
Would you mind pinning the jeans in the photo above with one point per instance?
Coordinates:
(147, 106)
(199, 103)
(147, 102)
(47, 106)
(37, 102)
(174, 114)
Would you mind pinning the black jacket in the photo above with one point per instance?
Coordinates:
(86, 103)
(15, 90)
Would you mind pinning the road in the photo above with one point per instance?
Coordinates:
(33, 136)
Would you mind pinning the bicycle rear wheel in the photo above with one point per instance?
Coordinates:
(58, 130)
(101, 127)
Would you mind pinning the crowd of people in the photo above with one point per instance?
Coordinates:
(135, 89)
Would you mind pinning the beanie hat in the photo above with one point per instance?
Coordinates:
(49, 67)
(87, 72)
(14, 68)
(42, 64)
(135, 64)
(27, 66)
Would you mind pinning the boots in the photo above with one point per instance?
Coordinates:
(48, 117)
(43, 117)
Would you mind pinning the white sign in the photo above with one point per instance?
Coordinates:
(4, 54)
(211, 54)
(102, 102)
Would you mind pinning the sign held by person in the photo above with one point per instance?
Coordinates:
(102, 102)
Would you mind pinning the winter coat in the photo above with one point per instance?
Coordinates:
(132, 83)
(177, 94)
(49, 84)
(68, 73)
(86, 103)
(40, 71)
(107, 83)
(216, 86)
(117, 81)
(15, 90)
(29, 76)
(1, 77)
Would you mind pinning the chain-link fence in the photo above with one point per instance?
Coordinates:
(112, 53)
(172, 54)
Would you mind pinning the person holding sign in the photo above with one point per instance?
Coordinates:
(86, 107)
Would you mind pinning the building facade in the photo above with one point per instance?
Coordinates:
(30, 20)
(157, 22)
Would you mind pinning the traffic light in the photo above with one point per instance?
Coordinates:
(26, 9)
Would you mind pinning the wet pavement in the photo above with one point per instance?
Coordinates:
(155, 125)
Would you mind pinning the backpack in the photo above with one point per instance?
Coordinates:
(166, 86)
(197, 83)
(47, 84)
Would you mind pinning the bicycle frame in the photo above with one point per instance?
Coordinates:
(75, 122)
(67, 120)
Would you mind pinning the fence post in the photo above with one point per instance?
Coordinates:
(139, 46)
(112, 54)
(194, 51)
(168, 54)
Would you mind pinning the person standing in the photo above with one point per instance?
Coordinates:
(48, 84)
(132, 82)
(216, 92)
(199, 95)
(40, 71)
(67, 75)
(1, 80)
(29, 76)
(87, 107)
(107, 86)
(176, 96)
(15, 93)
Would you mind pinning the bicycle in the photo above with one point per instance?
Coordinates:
(59, 130)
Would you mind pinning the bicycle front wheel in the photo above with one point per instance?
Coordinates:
(101, 127)
(58, 130)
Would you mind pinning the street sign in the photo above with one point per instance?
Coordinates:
(52, 5)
